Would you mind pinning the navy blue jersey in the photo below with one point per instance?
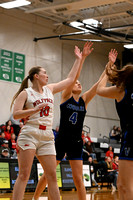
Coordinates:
(125, 110)
(72, 117)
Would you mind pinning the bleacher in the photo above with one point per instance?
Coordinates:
(101, 146)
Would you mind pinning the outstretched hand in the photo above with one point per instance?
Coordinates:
(112, 56)
(87, 49)
(77, 52)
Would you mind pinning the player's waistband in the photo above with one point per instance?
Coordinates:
(40, 126)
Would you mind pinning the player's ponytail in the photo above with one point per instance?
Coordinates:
(24, 84)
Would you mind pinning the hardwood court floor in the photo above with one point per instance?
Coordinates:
(91, 194)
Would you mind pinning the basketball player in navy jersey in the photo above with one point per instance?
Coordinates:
(122, 92)
(36, 103)
(73, 109)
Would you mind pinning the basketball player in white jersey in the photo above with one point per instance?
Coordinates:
(36, 104)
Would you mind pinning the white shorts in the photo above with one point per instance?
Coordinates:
(42, 141)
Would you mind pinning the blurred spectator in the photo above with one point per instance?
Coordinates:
(119, 133)
(2, 138)
(89, 148)
(110, 171)
(83, 137)
(115, 165)
(5, 143)
(86, 155)
(12, 143)
(2, 128)
(88, 137)
(15, 124)
(115, 133)
(109, 153)
(7, 132)
(92, 170)
(109, 164)
(5, 150)
(112, 174)
(9, 123)
(5, 153)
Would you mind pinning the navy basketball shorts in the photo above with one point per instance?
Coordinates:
(73, 149)
(126, 152)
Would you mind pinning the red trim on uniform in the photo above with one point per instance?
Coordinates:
(42, 127)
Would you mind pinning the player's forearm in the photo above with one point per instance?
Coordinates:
(72, 74)
(102, 84)
(80, 67)
(23, 113)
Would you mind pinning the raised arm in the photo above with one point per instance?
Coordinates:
(73, 74)
(111, 91)
(112, 56)
(88, 95)
(57, 87)
(86, 51)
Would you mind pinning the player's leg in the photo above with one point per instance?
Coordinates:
(48, 163)
(77, 171)
(50, 149)
(125, 179)
(41, 184)
(25, 160)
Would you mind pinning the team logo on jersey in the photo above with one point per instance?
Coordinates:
(76, 108)
(39, 101)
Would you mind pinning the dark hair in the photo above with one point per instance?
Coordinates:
(24, 84)
(6, 128)
(8, 122)
(110, 147)
(122, 78)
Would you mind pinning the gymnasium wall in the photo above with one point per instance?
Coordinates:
(17, 31)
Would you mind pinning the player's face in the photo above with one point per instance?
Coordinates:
(77, 87)
(43, 77)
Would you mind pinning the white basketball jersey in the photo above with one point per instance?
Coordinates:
(45, 115)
